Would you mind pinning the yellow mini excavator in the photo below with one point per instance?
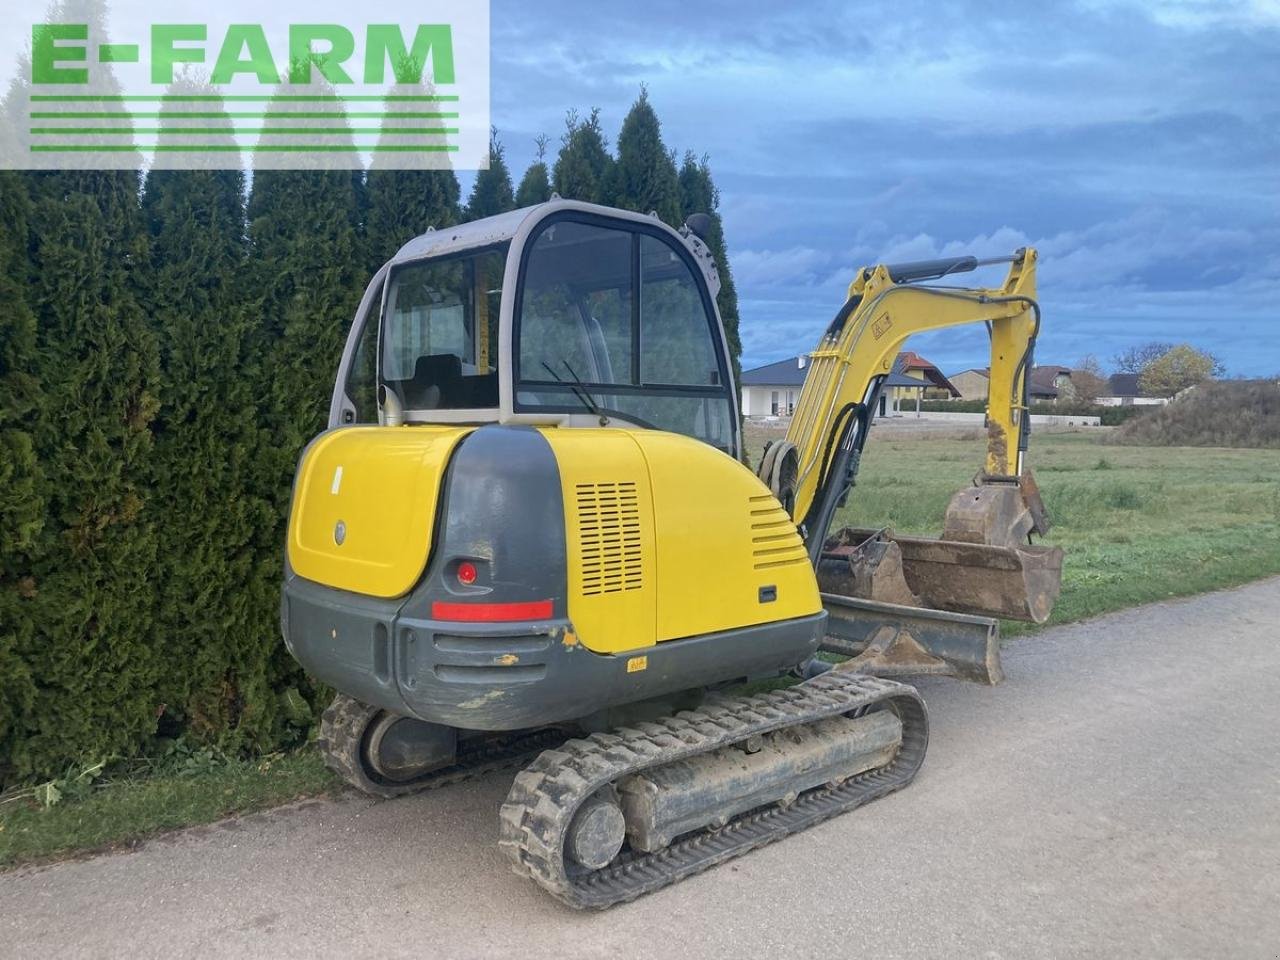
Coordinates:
(528, 538)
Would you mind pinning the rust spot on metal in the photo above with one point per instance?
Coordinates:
(997, 447)
(506, 660)
(570, 639)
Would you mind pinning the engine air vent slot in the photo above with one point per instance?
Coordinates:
(609, 537)
(774, 540)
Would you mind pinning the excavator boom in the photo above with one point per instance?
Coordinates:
(983, 564)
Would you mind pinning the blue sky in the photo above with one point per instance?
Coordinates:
(1136, 144)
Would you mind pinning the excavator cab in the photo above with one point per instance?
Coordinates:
(559, 315)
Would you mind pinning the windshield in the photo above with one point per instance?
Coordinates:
(614, 321)
(440, 332)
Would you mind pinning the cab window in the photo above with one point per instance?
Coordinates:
(439, 344)
(613, 321)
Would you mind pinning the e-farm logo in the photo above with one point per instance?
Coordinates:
(324, 93)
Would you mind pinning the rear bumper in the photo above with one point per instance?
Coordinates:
(509, 676)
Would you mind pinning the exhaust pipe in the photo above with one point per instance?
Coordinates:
(390, 409)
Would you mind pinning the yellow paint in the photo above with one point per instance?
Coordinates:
(636, 664)
(506, 660)
(570, 639)
(386, 503)
(721, 537)
(606, 622)
(709, 536)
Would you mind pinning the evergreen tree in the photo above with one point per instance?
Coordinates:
(698, 194)
(99, 659)
(22, 504)
(535, 185)
(644, 177)
(584, 169)
(400, 204)
(307, 272)
(205, 509)
(91, 650)
(491, 194)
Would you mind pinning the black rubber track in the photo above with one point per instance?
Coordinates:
(545, 795)
(346, 722)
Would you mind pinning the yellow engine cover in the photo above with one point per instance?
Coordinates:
(668, 537)
(364, 505)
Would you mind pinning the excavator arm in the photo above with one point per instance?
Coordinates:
(984, 563)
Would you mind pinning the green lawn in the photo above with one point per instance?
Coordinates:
(1138, 524)
(118, 813)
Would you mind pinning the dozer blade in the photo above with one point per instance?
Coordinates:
(892, 640)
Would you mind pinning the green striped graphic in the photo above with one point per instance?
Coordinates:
(229, 148)
(238, 98)
(291, 131)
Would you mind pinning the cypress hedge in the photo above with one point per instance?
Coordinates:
(399, 204)
(535, 185)
(167, 349)
(644, 177)
(698, 194)
(491, 193)
(96, 659)
(22, 506)
(207, 512)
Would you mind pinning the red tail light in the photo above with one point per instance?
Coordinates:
(491, 612)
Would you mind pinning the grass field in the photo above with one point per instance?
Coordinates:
(1137, 523)
(116, 813)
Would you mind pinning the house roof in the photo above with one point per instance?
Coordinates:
(1123, 385)
(897, 378)
(791, 373)
(910, 360)
(980, 371)
(785, 373)
(1042, 381)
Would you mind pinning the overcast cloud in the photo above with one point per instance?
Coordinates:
(1136, 144)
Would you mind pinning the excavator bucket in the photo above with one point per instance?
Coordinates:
(1012, 583)
(982, 564)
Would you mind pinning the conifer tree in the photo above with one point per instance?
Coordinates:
(583, 169)
(491, 193)
(99, 660)
(400, 203)
(307, 271)
(205, 509)
(22, 503)
(93, 656)
(644, 177)
(698, 194)
(535, 185)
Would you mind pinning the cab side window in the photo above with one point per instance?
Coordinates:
(362, 378)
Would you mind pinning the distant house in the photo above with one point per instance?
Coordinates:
(916, 367)
(1048, 383)
(774, 389)
(1123, 391)
(973, 383)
